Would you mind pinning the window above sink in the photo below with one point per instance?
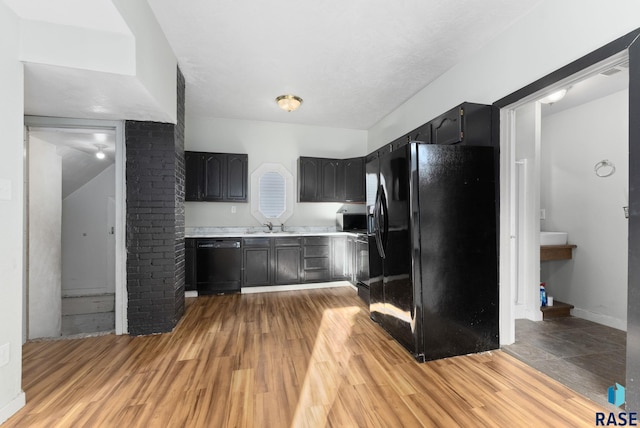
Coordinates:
(272, 196)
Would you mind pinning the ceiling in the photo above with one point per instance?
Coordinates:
(607, 82)
(77, 149)
(353, 62)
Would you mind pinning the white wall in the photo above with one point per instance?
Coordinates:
(267, 142)
(588, 207)
(85, 237)
(156, 65)
(81, 48)
(551, 36)
(45, 229)
(11, 213)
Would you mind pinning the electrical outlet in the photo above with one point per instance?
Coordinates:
(4, 354)
(233, 209)
(543, 214)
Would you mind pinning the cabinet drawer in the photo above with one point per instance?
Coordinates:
(316, 275)
(316, 263)
(256, 242)
(316, 251)
(315, 240)
(287, 242)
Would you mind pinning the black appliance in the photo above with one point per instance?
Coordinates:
(219, 264)
(362, 266)
(433, 270)
(347, 222)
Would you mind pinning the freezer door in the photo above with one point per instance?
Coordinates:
(376, 292)
(395, 235)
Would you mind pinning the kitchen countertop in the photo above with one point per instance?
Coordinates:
(255, 232)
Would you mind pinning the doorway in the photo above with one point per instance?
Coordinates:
(553, 180)
(74, 205)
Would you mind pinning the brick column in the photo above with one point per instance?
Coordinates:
(155, 222)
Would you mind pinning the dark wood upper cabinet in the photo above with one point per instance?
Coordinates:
(216, 177)
(469, 124)
(192, 182)
(332, 187)
(237, 173)
(354, 187)
(309, 179)
(447, 129)
(331, 180)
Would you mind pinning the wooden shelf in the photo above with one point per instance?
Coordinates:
(556, 252)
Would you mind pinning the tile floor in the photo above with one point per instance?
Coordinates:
(585, 356)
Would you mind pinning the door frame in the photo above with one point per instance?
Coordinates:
(626, 44)
(121, 297)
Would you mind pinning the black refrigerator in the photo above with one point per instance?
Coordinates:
(433, 248)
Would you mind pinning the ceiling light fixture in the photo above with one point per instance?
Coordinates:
(100, 154)
(289, 102)
(554, 97)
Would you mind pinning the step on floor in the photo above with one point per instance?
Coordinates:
(558, 310)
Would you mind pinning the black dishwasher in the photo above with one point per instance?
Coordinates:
(219, 264)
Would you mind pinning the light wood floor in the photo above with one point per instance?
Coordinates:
(289, 359)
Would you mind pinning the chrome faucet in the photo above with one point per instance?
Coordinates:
(281, 227)
(269, 225)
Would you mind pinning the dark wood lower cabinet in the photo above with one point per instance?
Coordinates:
(316, 258)
(340, 258)
(256, 262)
(285, 260)
(190, 264)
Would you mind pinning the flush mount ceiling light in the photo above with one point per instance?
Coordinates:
(289, 102)
(554, 97)
(100, 153)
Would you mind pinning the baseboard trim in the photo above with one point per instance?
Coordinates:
(292, 287)
(600, 319)
(12, 407)
(295, 287)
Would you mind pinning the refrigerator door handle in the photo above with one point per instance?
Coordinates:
(384, 211)
(377, 212)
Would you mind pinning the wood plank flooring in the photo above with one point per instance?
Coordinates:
(289, 359)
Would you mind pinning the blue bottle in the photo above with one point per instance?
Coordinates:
(543, 294)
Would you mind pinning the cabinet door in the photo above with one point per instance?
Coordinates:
(287, 261)
(354, 180)
(193, 178)
(308, 179)
(190, 264)
(236, 177)
(340, 259)
(422, 133)
(330, 182)
(448, 129)
(214, 176)
(257, 267)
